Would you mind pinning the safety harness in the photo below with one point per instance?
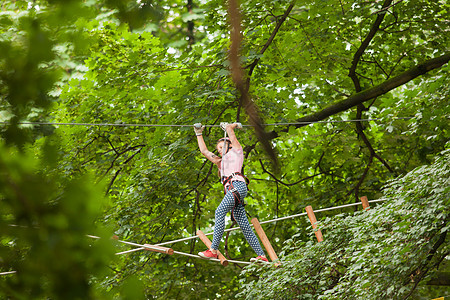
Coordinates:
(230, 188)
(225, 180)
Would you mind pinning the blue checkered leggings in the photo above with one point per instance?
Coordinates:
(240, 216)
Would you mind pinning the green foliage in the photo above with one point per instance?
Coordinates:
(384, 252)
(166, 62)
(45, 215)
(43, 236)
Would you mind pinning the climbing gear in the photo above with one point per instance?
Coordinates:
(198, 128)
(225, 149)
(234, 191)
(224, 125)
(207, 254)
(225, 180)
(259, 259)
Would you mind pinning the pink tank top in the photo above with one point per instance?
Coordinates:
(231, 163)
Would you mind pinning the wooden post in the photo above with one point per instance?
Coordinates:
(208, 243)
(263, 237)
(159, 249)
(312, 219)
(365, 203)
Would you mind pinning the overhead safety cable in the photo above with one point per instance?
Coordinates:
(190, 125)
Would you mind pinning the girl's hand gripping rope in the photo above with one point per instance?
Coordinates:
(198, 128)
(224, 125)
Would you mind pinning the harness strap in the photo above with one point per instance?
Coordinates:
(225, 179)
(225, 147)
(237, 199)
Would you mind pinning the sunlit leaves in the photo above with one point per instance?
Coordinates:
(377, 253)
(165, 63)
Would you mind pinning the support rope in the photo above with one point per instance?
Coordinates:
(186, 125)
(213, 259)
(142, 247)
(7, 273)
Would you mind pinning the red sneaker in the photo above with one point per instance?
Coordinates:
(259, 259)
(207, 254)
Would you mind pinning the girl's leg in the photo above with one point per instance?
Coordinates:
(225, 206)
(241, 218)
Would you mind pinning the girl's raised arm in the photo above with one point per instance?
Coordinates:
(198, 128)
(230, 131)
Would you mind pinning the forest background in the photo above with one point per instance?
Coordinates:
(332, 63)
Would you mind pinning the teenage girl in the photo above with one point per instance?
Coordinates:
(230, 166)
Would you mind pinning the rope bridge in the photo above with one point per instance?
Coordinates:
(255, 223)
(160, 249)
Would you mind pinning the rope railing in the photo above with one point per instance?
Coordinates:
(7, 273)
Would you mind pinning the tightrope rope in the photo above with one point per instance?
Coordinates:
(7, 273)
(142, 247)
(213, 259)
(186, 125)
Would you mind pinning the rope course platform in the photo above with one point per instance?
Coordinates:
(203, 236)
(267, 245)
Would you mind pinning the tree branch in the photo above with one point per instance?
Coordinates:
(360, 130)
(342, 7)
(440, 279)
(283, 183)
(280, 22)
(252, 66)
(190, 26)
(361, 180)
(386, 8)
(119, 154)
(112, 146)
(422, 271)
(124, 163)
(370, 93)
(364, 45)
